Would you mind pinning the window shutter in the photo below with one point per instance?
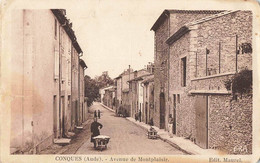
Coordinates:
(56, 64)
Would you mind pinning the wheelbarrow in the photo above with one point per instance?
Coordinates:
(152, 133)
(101, 141)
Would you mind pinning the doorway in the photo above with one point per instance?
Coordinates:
(162, 111)
(174, 114)
(146, 112)
(201, 108)
(62, 129)
(55, 121)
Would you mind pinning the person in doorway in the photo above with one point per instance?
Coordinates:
(136, 116)
(98, 114)
(170, 124)
(140, 114)
(95, 114)
(95, 126)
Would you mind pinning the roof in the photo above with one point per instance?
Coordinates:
(82, 63)
(167, 12)
(188, 27)
(139, 78)
(149, 79)
(107, 87)
(118, 77)
(125, 90)
(59, 14)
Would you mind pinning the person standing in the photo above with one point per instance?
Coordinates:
(140, 115)
(95, 126)
(98, 114)
(170, 125)
(95, 114)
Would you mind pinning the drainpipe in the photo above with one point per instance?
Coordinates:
(71, 83)
(78, 108)
(23, 85)
(142, 85)
(168, 75)
(80, 55)
(60, 80)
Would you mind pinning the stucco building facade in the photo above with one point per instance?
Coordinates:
(40, 78)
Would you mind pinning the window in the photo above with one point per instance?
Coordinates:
(56, 64)
(146, 91)
(55, 28)
(178, 98)
(69, 72)
(63, 68)
(183, 65)
(174, 101)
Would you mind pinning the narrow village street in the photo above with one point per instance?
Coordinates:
(125, 138)
(184, 77)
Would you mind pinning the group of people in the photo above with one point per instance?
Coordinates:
(97, 114)
(138, 116)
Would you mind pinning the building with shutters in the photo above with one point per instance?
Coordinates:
(44, 79)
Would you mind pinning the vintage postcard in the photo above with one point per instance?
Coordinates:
(130, 81)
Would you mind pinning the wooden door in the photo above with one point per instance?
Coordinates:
(55, 116)
(62, 116)
(146, 112)
(162, 111)
(201, 108)
(174, 115)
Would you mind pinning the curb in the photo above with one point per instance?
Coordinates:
(165, 140)
(175, 145)
(107, 107)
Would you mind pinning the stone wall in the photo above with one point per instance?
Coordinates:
(118, 90)
(230, 124)
(218, 37)
(185, 126)
(179, 19)
(160, 72)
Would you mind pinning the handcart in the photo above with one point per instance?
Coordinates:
(152, 133)
(101, 141)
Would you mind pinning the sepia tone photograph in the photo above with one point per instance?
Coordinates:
(98, 82)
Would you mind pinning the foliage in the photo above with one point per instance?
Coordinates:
(103, 80)
(228, 84)
(92, 87)
(91, 90)
(240, 83)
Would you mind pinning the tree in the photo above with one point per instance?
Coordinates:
(92, 86)
(91, 90)
(103, 80)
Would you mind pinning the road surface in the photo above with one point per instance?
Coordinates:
(126, 138)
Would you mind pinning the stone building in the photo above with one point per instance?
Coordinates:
(148, 88)
(205, 49)
(109, 97)
(122, 97)
(118, 92)
(167, 24)
(136, 92)
(40, 78)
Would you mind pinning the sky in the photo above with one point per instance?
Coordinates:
(115, 36)
(116, 33)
